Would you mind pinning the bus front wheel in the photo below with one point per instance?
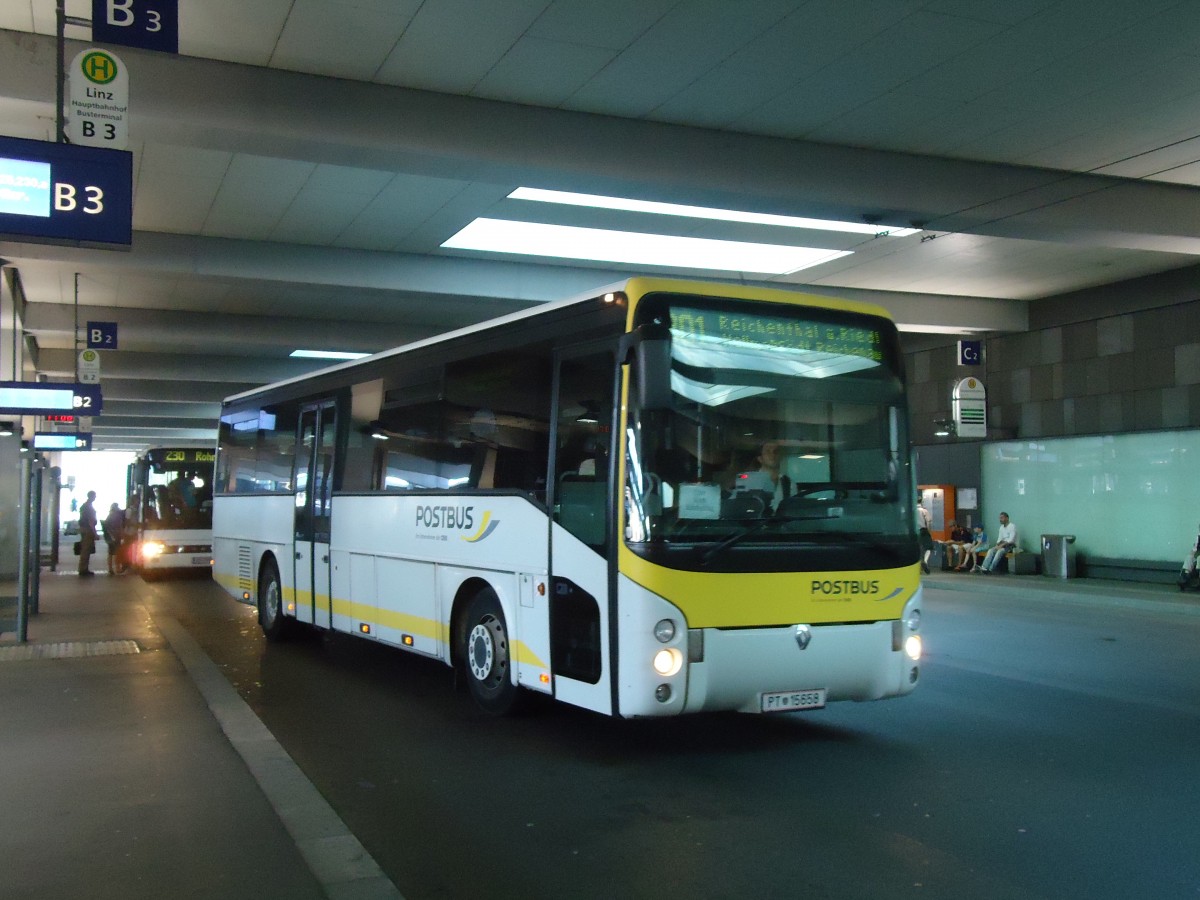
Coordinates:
(485, 654)
(270, 603)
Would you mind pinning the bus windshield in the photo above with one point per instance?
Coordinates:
(176, 495)
(783, 447)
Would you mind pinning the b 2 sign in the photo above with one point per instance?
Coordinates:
(60, 193)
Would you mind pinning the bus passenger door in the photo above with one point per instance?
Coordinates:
(314, 491)
(581, 551)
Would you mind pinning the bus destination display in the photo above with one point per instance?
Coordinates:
(778, 331)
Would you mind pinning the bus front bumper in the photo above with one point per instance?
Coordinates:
(758, 670)
(160, 556)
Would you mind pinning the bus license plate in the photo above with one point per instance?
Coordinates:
(200, 560)
(791, 701)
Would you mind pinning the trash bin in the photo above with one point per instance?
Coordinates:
(1058, 555)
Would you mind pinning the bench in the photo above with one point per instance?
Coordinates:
(1018, 562)
(1118, 569)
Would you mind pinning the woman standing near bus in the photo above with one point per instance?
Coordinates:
(114, 527)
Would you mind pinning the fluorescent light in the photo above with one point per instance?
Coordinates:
(598, 201)
(633, 248)
(921, 328)
(326, 354)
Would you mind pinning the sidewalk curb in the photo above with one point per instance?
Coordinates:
(339, 862)
(1111, 594)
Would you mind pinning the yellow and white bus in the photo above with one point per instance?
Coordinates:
(169, 510)
(666, 498)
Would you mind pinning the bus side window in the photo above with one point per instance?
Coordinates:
(584, 436)
(500, 405)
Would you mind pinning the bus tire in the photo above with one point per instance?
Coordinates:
(486, 656)
(270, 603)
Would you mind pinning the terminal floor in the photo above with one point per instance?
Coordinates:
(128, 772)
(132, 769)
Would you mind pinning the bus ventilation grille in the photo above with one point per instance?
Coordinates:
(245, 569)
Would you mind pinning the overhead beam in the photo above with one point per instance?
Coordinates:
(110, 423)
(159, 392)
(439, 278)
(190, 368)
(207, 412)
(388, 128)
(194, 332)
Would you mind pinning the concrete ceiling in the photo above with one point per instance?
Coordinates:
(299, 165)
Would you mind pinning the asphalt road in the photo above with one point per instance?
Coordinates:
(1051, 751)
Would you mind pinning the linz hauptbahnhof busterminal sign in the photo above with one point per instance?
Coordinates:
(60, 193)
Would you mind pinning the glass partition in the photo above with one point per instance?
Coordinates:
(1128, 496)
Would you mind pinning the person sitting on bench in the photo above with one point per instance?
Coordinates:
(960, 539)
(1006, 540)
(971, 551)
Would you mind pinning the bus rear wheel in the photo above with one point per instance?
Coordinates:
(270, 603)
(485, 654)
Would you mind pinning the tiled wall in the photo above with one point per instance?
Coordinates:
(1134, 371)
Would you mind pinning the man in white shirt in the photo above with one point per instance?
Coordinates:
(926, 519)
(1006, 540)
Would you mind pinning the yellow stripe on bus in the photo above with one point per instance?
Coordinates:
(742, 599)
(419, 625)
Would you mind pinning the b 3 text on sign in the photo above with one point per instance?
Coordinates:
(149, 24)
(60, 193)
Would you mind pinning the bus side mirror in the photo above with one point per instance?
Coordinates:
(649, 349)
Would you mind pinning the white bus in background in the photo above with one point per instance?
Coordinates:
(567, 501)
(169, 511)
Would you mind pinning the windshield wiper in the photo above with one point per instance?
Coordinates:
(758, 526)
(885, 546)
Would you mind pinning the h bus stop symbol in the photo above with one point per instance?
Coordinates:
(102, 335)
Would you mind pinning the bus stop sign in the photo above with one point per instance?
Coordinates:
(148, 24)
(102, 335)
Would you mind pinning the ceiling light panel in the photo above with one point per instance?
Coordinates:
(635, 248)
(326, 354)
(597, 201)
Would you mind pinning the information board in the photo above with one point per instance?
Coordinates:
(46, 440)
(60, 193)
(36, 398)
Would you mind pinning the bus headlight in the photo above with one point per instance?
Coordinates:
(664, 631)
(151, 549)
(912, 646)
(668, 662)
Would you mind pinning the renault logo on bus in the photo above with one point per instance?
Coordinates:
(803, 636)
